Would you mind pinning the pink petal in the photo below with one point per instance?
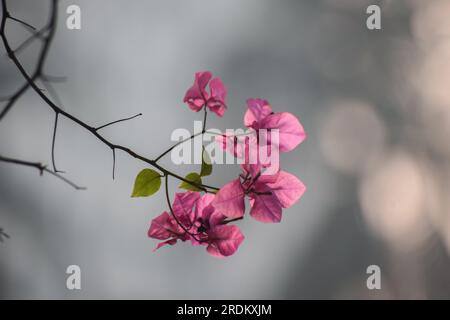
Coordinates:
(291, 132)
(217, 108)
(224, 240)
(264, 179)
(251, 169)
(230, 144)
(230, 200)
(266, 208)
(218, 90)
(214, 251)
(183, 206)
(164, 227)
(203, 209)
(287, 188)
(216, 102)
(196, 96)
(168, 242)
(258, 109)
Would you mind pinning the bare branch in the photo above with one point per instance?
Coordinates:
(36, 35)
(46, 42)
(117, 121)
(41, 168)
(171, 210)
(114, 163)
(22, 22)
(31, 82)
(53, 142)
(48, 78)
(3, 235)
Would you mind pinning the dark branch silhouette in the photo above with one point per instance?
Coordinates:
(31, 83)
(41, 168)
(117, 121)
(3, 234)
(46, 35)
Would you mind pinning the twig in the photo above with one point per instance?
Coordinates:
(187, 139)
(31, 83)
(38, 72)
(48, 78)
(231, 220)
(22, 22)
(117, 121)
(176, 145)
(171, 210)
(36, 35)
(41, 168)
(114, 163)
(55, 127)
(204, 119)
(52, 92)
(3, 234)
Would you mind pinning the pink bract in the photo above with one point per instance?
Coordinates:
(197, 96)
(259, 115)
(272, 193)
(230, 199)
(268, 195)
(203, 223)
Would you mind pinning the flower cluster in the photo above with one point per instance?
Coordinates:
(195, 219)
(205, 218)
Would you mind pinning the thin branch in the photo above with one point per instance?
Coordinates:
(231, 220)
(31, 82)
(117, 121)
(176, 145)
(22, 22)
(3, 99)
(254, 181)
(13, 100)
(51, 26)
(56, 79)
(30, 39)
(51, 90)
(41, 168)
(171, 210)
(3, 234)
(114, 163)
(204, 119)
(187, 139)
(53, 142)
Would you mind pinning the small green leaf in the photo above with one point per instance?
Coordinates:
(193, 177)
(147, 182)
(206, 164)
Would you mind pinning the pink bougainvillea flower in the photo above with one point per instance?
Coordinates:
(182, 207)
(165, 227)
(230, 199)
(259, 115)
(268, 134)
(221, 239)
(201, 223)
(268, 194)
(258, 109)
(197, 96)
(224, 240)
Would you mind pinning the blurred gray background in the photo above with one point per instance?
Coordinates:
(375, 105)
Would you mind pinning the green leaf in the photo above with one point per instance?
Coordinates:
(206, 164)
(147, 182)
(193, 177)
